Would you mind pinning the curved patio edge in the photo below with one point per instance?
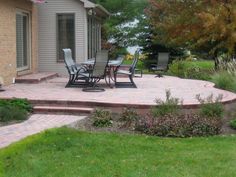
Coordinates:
(95, 104)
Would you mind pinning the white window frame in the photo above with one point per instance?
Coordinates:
(58, 60)
(29, 41)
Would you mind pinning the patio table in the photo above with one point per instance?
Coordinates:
(111, 67)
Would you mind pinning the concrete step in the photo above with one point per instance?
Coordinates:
(62, 109)
(35, 78)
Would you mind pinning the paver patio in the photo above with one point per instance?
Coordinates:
(35, 124)
(149, 88)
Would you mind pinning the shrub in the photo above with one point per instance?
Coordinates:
(187, 125)
(102, 118)
(177, 68)
(198, 73)
(10, 113)
(211, 107)
(227, 64)
(169, 106)
(129, 116)
(191, 69)
(233, 124)
(225, 80)
(20, 103)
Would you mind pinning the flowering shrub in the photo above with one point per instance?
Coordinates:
(169, 106)
(129, 116)
(211, 107)
(168, 121)
(187, 125)
(102, 118)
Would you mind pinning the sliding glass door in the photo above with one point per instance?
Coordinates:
(22, 41)
(94, 36)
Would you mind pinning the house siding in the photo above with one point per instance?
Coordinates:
(48, 33)
(8, 9)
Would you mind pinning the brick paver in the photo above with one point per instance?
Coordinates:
(149, 88)
(35, 124)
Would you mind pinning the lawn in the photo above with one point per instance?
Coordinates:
(203, 64)
(68, 153)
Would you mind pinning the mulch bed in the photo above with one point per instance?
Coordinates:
(117, 126)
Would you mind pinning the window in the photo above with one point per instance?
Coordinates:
(65, 34)
(22, 41)
(94, 32)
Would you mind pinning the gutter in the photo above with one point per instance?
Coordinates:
(90, 5)
(102, 9)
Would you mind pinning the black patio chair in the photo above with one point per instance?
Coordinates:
(77, 73)
(162, 64)
(137, 72)
(97, 72)
(130, 73)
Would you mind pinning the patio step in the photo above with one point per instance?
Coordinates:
(62, 109)
(35, 78)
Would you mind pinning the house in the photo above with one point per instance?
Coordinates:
(74, 24)
(18, 39)
(32, 35)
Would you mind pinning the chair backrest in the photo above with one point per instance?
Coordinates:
(70, 64)
(100, 64)
(120, 58)
(163, 59)
(133, 66)
(134, 63)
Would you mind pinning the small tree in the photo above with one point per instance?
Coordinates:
(197, 25)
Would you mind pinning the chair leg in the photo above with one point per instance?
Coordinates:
(132, 81)
(141, 73)
(115, 77)
(70, 81)
(93, 87)
(159, 75)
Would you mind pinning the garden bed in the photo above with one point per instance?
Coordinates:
(2, 124)
(14, 111)
(166, 119)
(87, 125)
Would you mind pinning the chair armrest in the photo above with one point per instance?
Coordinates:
(125, 65)
(78, 65)
(83, 69)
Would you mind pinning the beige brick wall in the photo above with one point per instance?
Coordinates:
(8, 10)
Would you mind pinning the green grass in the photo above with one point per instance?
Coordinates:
(202, 64)
(67, 153)
(225, 80)
(129, 62)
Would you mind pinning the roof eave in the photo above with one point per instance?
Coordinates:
(96, 7)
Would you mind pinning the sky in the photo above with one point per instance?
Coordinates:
(132, 50)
